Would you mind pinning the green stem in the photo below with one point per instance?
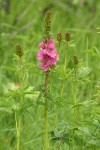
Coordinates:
(62, 87)
(46, 112)
(17, 117)
(57, 112)
(75, 99)
(65, 61)
(66, 56)
(46, 129)
(18, 131)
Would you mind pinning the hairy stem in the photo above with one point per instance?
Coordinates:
(75, 99)
(18, 131)
(46, 112)
(17, 117)
(63, 84)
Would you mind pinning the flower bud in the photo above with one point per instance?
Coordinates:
(19, 50)
(75, 60)
(48, 24)
(68, 36)
(59, 37)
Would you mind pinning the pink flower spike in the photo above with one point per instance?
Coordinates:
(47, 55)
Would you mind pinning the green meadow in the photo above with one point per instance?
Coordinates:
(58, 109)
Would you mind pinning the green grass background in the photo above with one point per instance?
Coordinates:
(24, 23)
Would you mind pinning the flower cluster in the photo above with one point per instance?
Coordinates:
(47, 54)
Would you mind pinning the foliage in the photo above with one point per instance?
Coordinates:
(73, 91)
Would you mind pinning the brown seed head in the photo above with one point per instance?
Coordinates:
(68, 36)
(59, 37)
(19, 50)
(75, 60)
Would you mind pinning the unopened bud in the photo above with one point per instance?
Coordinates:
(19, 50)
(75, 60)
(68, 36)
(59, 37)
(48, 24)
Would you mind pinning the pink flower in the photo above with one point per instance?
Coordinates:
(42, 45)
(50, 44)
(47, 55)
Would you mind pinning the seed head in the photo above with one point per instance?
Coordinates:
(59, 37)
(68, 36)
(19, 50)
(75, 60)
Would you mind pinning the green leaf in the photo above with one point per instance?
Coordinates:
(83, 72)
(67, 138)
(95, 142)
(9, 68)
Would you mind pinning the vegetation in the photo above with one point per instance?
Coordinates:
(58, 107)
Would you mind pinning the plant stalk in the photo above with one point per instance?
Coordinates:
(18, 131)
(17, 117)
(46, 112)
(75, 99)
(62, 86)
